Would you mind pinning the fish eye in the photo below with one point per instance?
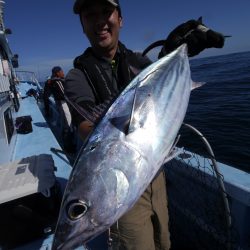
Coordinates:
(76, 209)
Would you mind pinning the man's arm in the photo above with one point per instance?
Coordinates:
(46, 95)
(78, 91)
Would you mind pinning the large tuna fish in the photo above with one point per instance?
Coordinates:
(125, 151)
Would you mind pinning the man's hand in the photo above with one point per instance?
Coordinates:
(84, 129)
(196, 35)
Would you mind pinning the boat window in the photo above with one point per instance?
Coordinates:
(9, 125)
(4, 60)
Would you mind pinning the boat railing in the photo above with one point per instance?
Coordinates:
(27, 76)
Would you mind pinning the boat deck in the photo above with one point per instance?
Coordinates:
(40, 141)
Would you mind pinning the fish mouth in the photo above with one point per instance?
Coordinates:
(67, 244)
(61, 243)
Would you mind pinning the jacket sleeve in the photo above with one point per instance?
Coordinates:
(46, 95)
(79, 92)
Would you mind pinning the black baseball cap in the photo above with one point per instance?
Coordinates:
(79, 4)
(56, 69)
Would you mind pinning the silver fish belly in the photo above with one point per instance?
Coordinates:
(125, 151)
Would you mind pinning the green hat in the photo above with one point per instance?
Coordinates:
(79, 4)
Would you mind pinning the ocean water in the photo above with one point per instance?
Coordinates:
(220, 109)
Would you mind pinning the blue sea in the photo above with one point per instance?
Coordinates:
(220, 109)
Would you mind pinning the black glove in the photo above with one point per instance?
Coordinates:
(196, 35)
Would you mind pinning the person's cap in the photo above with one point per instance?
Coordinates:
(56, 69)
(80, 3)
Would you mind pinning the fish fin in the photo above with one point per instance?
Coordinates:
(200, 19)
(130, 129)
(121, 123)
(173, 153)
(139, 101)
(130, 125)
(196, 85)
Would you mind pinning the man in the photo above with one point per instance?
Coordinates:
(101, 72)
(54, 87)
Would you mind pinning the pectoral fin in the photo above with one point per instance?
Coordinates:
(197, 84)
(136, 116)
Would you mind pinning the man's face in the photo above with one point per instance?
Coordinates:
(101, 23)
(60, 74)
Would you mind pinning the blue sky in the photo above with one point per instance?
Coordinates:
(47, 33)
